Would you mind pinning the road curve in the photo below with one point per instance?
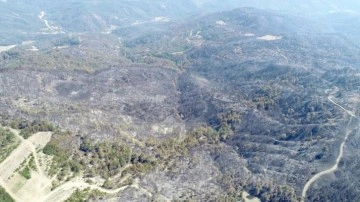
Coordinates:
(73, 185)
(341, 153)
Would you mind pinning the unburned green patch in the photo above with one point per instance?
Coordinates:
(8, 143)
(4, 196)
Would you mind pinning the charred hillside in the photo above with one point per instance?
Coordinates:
(231, 101)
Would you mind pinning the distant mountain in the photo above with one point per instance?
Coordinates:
(21, 17)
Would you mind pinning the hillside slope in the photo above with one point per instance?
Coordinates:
(208, 107)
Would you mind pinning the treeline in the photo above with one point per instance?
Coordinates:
(268, 191)
(222, 129)
(27, 128)
(67, 41)
(61, 147)
(85, 195)
(104, 159)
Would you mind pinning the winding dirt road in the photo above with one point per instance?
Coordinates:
(64, 191)
(341, 152)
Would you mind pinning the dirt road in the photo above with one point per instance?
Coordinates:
(341, 152)
(38, 187)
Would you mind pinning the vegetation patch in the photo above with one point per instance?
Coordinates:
(221, 131)
(4, 196)
(84, 195)
(105, 158)
(25, 172)
(8, 143)
(26, 166)
(61, 149)
(28, 128)
(31, 163)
